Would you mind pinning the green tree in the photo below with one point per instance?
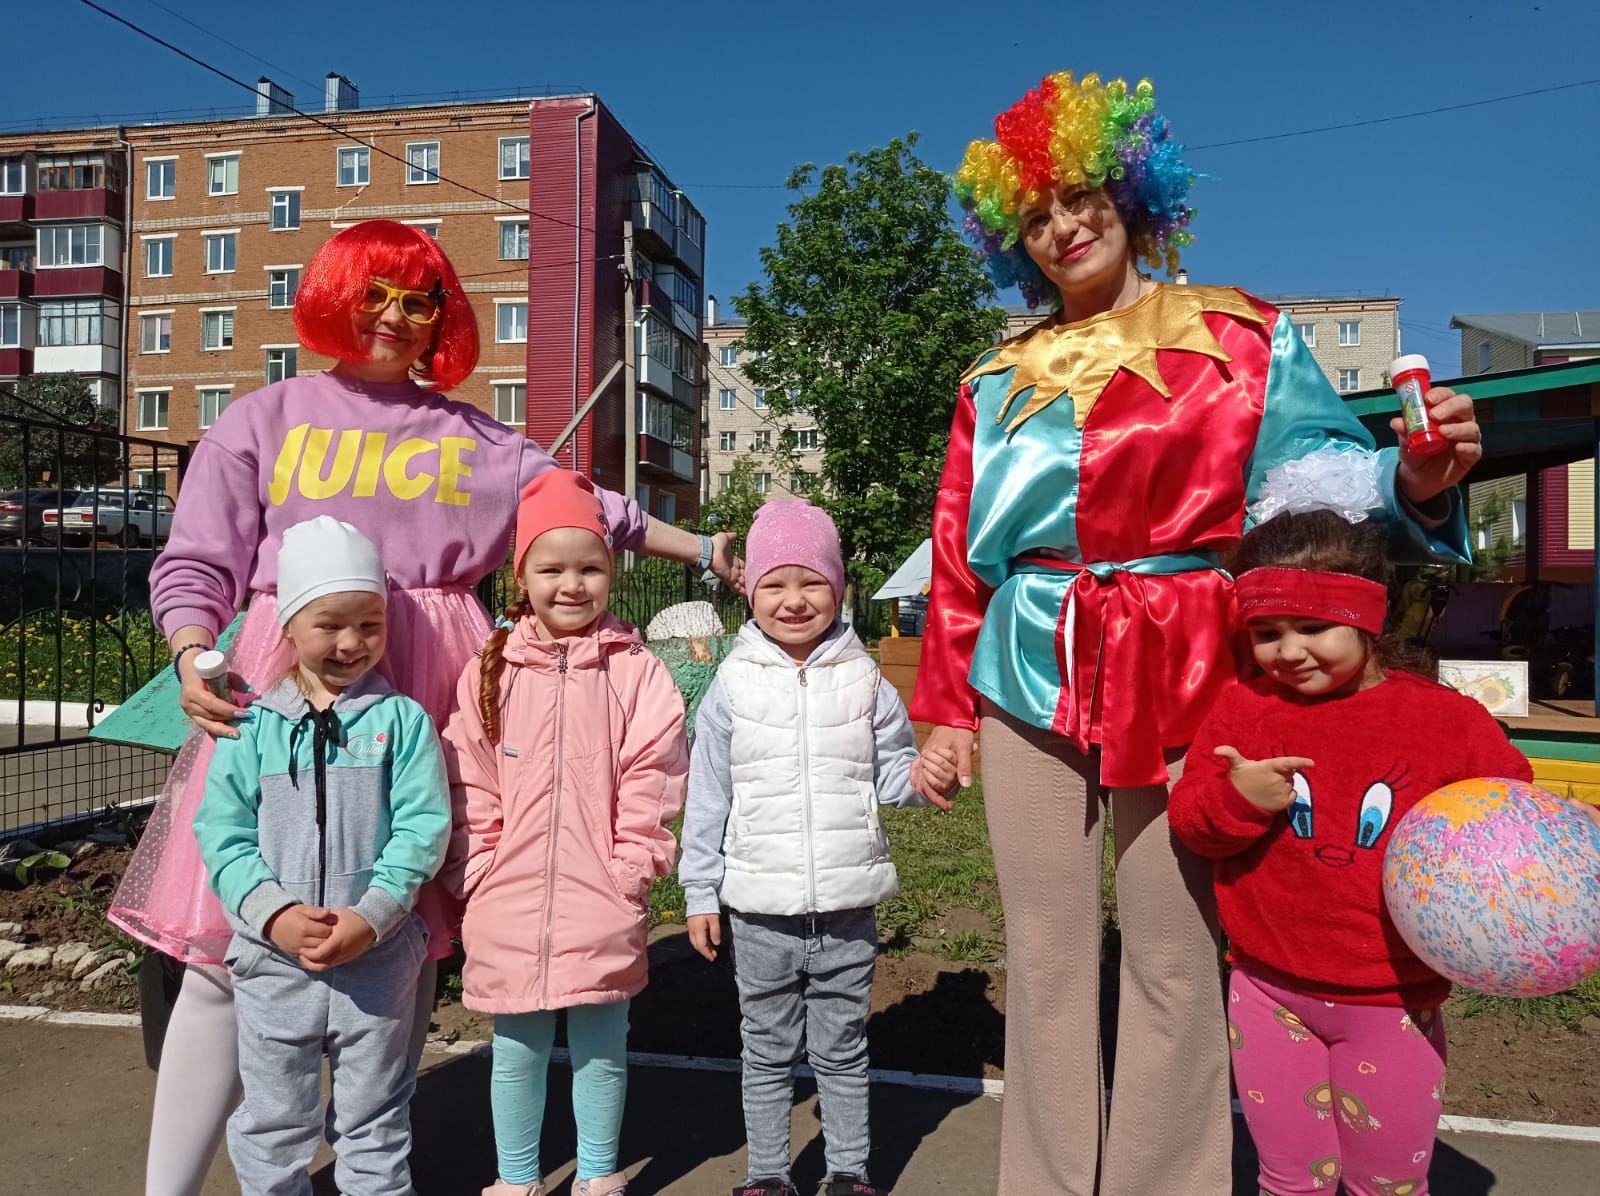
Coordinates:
(1487, 562)
(871, 308)
(733, 507)
(56, 454)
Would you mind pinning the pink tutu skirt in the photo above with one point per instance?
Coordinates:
(164, 899)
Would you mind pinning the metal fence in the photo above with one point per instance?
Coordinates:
(80, 527)
(641, 593)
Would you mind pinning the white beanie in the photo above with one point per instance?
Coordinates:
(324, 556)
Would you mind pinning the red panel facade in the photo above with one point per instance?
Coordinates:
(1554, 552)
(93, 203)
(77, 280)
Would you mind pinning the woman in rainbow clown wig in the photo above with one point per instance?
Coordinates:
(1100, 466)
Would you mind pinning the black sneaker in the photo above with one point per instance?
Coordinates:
(849, 1185)
(766, 1187)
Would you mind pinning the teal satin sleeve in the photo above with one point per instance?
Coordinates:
(1302, 413)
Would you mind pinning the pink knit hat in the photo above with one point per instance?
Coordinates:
(557, 498)
(793, 533)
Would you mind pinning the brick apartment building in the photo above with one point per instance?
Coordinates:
(161, 261)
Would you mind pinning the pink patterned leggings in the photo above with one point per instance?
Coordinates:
(1336, 1092)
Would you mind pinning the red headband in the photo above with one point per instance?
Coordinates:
(1337, 597)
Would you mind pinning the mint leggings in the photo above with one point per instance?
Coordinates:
(598, 1038)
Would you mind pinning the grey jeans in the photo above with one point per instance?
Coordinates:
(805, 978)
(361, 1014)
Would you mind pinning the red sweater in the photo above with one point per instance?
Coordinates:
(1301, 892)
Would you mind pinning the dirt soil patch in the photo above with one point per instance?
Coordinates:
(930, 1015)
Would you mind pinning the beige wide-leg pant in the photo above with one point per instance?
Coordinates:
(1169, 1128)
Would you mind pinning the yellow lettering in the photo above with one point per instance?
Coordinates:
(288, 457)
(453, 470)
(371, 464)
(313, 484)
(402, 484)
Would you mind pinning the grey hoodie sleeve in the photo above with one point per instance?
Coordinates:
(896, 747)
(709, 803)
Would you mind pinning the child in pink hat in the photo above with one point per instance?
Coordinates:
(797, 742)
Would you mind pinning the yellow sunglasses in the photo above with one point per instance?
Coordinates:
(420, 307)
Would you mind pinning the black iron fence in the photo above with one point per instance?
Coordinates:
(83, 514)
(641, 593)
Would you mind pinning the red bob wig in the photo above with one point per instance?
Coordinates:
(337, 278)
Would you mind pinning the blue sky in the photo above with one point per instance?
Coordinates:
(1484, 209)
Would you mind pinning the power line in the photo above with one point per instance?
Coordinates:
(1383, 120)
(222, 74)
(282, 70)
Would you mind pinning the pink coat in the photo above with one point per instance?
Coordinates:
(560, 828)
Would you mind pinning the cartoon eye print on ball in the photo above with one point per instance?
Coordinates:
(1372, 817)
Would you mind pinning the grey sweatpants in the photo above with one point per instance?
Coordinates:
(805, 978)
(360, 1014)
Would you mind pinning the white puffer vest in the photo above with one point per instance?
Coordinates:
(803, 834)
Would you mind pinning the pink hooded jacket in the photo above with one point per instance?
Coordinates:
(560, 828)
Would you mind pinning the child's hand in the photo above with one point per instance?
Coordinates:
(934, 775)
(352, 935)
(296, 929)
(705, 934)
(1588, 809)
(1266, 784)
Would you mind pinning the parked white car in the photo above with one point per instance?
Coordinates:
(132, 517)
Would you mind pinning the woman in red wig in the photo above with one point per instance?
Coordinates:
(433, 482)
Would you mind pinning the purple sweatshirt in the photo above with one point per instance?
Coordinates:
(433, 482)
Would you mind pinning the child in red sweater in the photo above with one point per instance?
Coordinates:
(1292, 786)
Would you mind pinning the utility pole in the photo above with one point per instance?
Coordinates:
(630, 388)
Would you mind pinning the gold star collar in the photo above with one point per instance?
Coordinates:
(1080, 359)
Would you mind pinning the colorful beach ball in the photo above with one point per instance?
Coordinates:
(1496, 885)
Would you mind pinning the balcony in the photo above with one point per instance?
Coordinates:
(93, 203)
(15, 210)
(65, 281)
(15, 363)
(668, 382)
(653, 297)
(16, 284)
(664, 458)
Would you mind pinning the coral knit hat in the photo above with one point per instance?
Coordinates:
(558, 498)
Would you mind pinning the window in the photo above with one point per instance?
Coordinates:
(728, 442)
(285, 209)
(513, 240)
(1308, 333)
(805, 440)
(13, 176)
(761, 400)
(1483, 357)
(10, 326)
(282, 363)
(71, 245)
(222, 174)
(665, 420)
(18, 257)
(667, 508)
(214, 401)
(727, 400)
(425, 227)
(1349, 332)
(801, 482)
(158, 258)
(216, 330)
(78, 172)
(724, 480)
(222, 252)
(511, 321)
(152, 481)
(153, 410)
(730, 354)
(354, 166)
(762, 482)
(283, 285)
(73, 323)
(761, 441)
(514, 158)
(1349, 380)
(509, 399)
(160, 178)
(422, 162)
(155, 333)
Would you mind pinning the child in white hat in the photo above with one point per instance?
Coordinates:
(318, 826)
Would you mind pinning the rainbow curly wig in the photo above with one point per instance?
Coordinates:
(1068, 131)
